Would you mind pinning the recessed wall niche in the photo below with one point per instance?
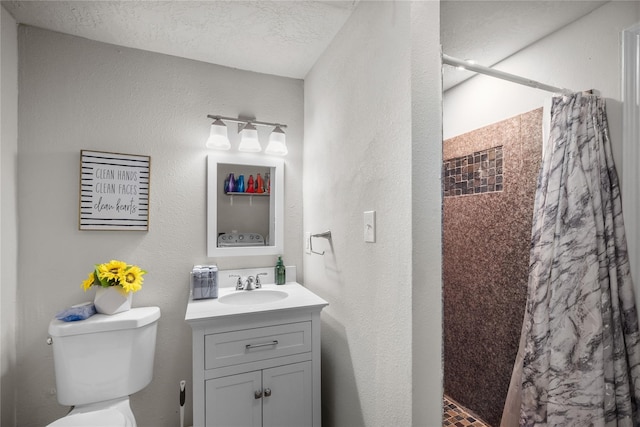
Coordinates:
(242, 212)
(246, 213)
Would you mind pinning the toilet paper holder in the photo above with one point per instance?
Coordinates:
(324, 235)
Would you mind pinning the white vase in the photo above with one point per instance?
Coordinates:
(112, 300)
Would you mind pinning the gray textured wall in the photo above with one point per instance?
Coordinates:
(80, 94)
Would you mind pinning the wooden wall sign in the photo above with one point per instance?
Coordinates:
(114, 191)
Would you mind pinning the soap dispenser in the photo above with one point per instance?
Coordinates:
(280, 272)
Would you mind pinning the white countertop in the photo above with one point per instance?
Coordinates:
(298, 297)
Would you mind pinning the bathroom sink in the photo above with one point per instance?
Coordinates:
(268, 299)
(258, 296)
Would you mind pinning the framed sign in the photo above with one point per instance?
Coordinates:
(114, 191)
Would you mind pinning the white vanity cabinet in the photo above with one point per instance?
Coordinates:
(257, 365)
(274, 397)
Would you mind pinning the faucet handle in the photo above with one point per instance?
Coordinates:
(239, 286)
(258, 284)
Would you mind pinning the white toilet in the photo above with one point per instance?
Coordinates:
(99, 362)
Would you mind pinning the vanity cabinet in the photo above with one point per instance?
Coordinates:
(259, 368)
(274, 397)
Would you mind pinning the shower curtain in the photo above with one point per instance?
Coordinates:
(579, 359)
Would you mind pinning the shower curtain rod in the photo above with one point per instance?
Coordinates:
(450, 60)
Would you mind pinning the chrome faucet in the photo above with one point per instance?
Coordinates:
(249, 283)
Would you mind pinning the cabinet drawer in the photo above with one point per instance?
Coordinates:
(250, 345)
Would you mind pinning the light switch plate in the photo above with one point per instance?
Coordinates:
(370, 226)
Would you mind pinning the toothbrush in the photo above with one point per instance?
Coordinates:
(183, 383)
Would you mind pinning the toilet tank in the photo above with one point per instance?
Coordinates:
(105, 356)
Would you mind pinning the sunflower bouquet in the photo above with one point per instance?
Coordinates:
(115, 273)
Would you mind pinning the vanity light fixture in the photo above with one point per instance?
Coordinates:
(249, 142)
(249, 139)
(218, 138)
(277, 142)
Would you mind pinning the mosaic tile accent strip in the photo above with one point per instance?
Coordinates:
(456, 415)
(480, 172)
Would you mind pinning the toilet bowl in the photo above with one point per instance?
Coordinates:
(103, 414)
(101, 361)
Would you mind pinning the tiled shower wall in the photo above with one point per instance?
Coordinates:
(475, 173)
(487, 230)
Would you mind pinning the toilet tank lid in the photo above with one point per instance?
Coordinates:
(130, 319)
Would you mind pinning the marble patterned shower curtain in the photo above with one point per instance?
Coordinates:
(579, 358)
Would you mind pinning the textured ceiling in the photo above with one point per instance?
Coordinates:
(275, 37)
(286, 37)
(490, 31)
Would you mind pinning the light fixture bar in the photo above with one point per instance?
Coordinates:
(245, 121)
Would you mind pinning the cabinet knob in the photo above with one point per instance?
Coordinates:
(267, 392)
(257, 394)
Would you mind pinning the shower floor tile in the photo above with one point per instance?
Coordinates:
(455, 415)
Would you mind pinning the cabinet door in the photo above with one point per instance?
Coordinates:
(287, 400)
(231, 401)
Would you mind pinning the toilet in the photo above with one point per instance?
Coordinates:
(101, 361)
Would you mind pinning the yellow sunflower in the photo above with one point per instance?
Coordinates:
(111, 270)
(131, 279)
(89, 282)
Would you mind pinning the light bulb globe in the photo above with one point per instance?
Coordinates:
(218, 138)
(277, 143)
(249, 142)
